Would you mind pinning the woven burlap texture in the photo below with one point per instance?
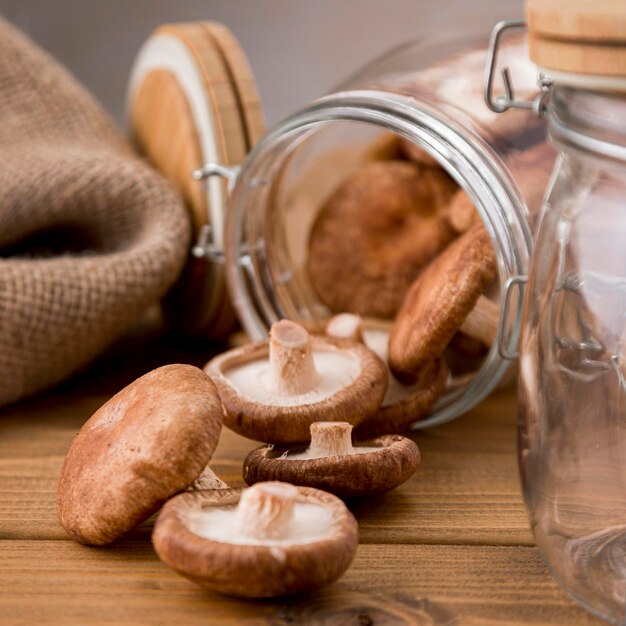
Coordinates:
(89, 234)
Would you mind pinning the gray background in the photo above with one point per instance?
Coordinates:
(298, 49)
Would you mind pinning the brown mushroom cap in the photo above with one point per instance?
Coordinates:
(439, 301)
(148, 442)
(375, 233)
(187, 538)
(369, 468)
(262, 414)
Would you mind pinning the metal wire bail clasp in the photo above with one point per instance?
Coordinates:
(229, 172)
(508, 352)
(205, 246)
(506, 101)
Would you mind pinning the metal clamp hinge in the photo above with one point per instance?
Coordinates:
(229, 172)
(504, 337)
(205, 247)
(506, 101)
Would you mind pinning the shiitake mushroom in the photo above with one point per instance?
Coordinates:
(333, 463)
(150, 441)
(274, 390)
(270, 540)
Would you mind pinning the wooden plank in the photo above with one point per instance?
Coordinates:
(28, 497)
(438, 505)
(60, 582)
(466, 490)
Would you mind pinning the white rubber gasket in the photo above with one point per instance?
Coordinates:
(165, 52)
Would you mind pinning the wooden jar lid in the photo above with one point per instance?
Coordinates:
(585, 37)
(192, 100)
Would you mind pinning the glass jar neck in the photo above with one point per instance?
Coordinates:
(591, 121)
(464, 155)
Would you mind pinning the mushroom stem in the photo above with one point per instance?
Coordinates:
(331, 439)
(482, 322)
(461, 213)
(345, 326)
(292, 369)
(208, 480)
(265, 510)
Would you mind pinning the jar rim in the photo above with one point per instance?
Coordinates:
(589, 120)
(464, 155)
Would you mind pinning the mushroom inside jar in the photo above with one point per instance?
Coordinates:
(443, 300)
(378, 230)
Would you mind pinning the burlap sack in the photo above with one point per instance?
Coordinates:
(89, 234)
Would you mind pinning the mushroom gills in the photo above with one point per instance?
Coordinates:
(268, 514)
(345, 472)
(302, 456)
(330, 439)
(336, 370)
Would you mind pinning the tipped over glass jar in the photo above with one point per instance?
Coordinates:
(290, 232)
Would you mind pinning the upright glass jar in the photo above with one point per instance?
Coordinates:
(572, 442)
(429, 95)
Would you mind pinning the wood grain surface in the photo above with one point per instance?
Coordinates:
(450, 546)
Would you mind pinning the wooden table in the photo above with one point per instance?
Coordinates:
(451, 546)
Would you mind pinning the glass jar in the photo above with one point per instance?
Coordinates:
(573, 355)
(572, 393)
(429, 94)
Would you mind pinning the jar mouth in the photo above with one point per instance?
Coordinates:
(461, 152)
(588, 120)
